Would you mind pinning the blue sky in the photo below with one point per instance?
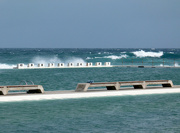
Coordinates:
(89, 23)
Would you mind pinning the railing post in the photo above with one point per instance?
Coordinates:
(152, 63)
(142, 62)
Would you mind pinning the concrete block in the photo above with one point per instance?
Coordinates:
(70, 64)
(82, 86)
(41, 65)
(30, 89)
(51, 65)
(30, 65)
(60, 64)
(89, 64)
(20, 66)
(3, 90)
(79, 64)
(98, 63)
(107, 63)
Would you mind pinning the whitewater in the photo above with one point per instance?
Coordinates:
(87, 111)
(9, 58)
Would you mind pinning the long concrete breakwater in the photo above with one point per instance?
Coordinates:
(112, 89)
(85, 65)
(62, 65)
(71, 94)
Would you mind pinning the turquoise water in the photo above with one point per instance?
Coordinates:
(67, 79)
(11, 57)
(146, 113)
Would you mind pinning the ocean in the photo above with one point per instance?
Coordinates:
(146, 113)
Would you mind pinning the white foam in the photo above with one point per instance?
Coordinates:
(176, 65)
(114, 57)
(7, 66)
(142, 53)
(74, 60)
(164, 65)
(88, 58)
(87, 94)
(55, 59)
(107, 53)
(45, 60)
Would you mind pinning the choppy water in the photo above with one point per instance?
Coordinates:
(148, 113)
(128, 114)
(10, 57)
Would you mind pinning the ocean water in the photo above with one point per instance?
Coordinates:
(126, 114)
(147, 113)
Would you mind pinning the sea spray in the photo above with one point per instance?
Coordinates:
(142, 53)
(74, 60)
(55, 59)
(7, 66)
(176, 65)
(45, 60)
(173, 65)
(114, 57)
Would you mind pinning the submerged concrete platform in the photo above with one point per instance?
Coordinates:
(29, 88)
(117, 85)
(71, 94)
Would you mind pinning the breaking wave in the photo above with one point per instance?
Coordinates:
(45, 60)
(175, 65)
(142, 53)
(74, 60)
(55, 59)
(7, 66)
(114, 57)
(88, 58)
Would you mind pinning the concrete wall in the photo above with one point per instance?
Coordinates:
(80, 64)
(107, 63)
(98, 63)
(20, 66)
(51, 65)
(41, 65)
(70, 64)
(60, 64)
(31, 65)
(89, 64)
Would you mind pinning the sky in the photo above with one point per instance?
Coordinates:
(89, 23)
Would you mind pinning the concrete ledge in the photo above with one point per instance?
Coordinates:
(51, 95)
(29, 88)
(164, 83)
(117, 85)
